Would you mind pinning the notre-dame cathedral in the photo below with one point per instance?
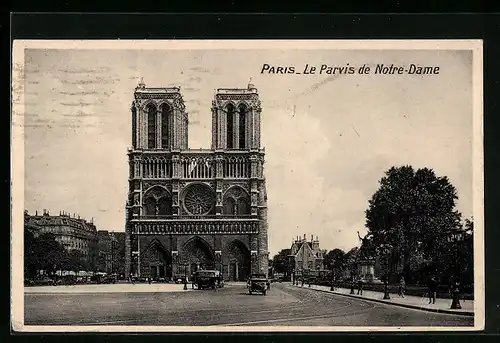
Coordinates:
(200, 208)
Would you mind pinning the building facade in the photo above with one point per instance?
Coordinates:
(189, 209)
(306, 257)
(119, 262)
(73, 233)
(108, 249)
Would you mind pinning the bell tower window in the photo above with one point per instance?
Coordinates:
(242, 126)
(134, 127)
(151, 110)
(230, 128)
(165, 117)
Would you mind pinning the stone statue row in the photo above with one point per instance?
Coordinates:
(201, 228)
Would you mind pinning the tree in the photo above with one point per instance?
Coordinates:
(49, 253)
(75, 261)
(466, 256)
(337, 256)
(31, 264)
(281, 261)
(350, 261)
(93, 256)
(411, 213)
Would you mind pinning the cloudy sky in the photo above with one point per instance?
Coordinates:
(328, 139)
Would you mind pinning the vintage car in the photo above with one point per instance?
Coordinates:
(258, 283)
(207, 279)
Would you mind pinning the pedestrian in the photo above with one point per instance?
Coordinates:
(432, 289)
(402, 287)
(131, 279)
(360, 286)
(149, 280)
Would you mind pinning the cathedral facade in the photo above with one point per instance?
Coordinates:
(191, 209)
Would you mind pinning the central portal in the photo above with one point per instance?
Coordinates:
(197, 255)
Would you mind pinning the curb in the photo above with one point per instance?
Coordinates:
(415, 307)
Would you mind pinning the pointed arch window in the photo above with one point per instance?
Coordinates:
(230, 124)
(242, 126)
(229, 206)
(151, 109)
(134, 127)
(165, 117)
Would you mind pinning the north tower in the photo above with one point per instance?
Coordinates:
(190, 209)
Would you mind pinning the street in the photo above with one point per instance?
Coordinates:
(232, 305)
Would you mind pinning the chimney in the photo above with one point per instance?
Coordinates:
(312, 238)
(304, 237)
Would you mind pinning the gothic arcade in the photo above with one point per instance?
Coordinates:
(190, 209)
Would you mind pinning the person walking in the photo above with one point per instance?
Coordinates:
(360, 286)
(402, 287)
(131, 279)
(432, 289)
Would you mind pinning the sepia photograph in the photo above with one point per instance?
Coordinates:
(247, 186)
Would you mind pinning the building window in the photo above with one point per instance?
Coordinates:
(151, 109)
(242, 126)
(230, 131)
(134, 127)
(165, 116)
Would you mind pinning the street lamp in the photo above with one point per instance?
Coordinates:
(332, 287)
(185, 277)
(455, 237)
(386, 277)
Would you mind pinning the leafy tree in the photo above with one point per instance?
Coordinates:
(93, 256)
(281, 261)
(465, 260)
(31, 264)
(409, 217)
(75, 260)
(337, 256)
(50, 253)
(350, 261)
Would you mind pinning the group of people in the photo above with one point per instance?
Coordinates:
(432, 287)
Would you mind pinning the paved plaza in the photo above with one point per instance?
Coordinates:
(170, 305)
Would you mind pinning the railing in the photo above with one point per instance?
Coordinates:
(192, 165)
(211, 216)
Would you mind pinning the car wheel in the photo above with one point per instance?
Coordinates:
(250, 292)
(264, 293)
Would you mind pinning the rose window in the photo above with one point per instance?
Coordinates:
(199, 200)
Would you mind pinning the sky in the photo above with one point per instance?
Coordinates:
(328, 138)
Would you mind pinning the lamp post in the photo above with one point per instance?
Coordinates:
(185, 277)
(456, 236)
(386, 251)
(332, 287)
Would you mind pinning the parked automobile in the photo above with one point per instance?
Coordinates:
(178, 278)
(258, 283)
(207, 279)
(44, 281)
